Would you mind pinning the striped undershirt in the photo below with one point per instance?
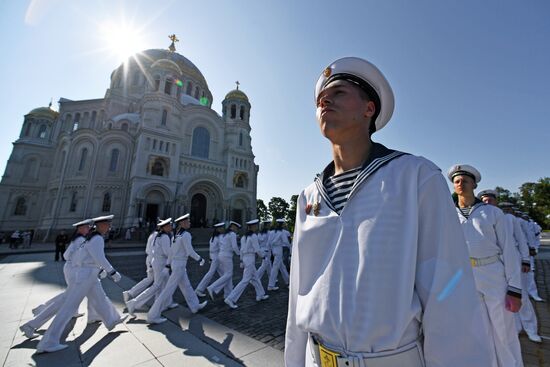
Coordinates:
(466, 211)
(338, 187)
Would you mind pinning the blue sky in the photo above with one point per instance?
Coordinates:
(471, 78)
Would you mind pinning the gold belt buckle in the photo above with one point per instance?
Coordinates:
(327, 356)
(473, 262)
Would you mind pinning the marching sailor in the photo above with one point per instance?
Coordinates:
(148, 280)
(249, 249)
(159, 262)
(46, 311)
(181, 249)
(526, 318)
(532, 232)
(379, 270)
(264, 239)
(228, 247)
(278, 241)
(89, 260)
(214, 249)
(495, 262)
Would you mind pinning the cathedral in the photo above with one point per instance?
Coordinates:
(151, 148)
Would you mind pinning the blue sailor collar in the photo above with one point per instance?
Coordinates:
(378, 157)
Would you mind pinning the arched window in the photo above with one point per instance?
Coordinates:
(157, 83)
(124, 127)
(72, 207)
(164, 117)
(233, 111)
(27, 129)
(196, 92)
(158, 168)
(94, 115)
(201, 143)
(168, 86)
(241, 113)
(83, 156)
(241, 139)
(20, 206)
(189, 88)
(114, 160)
(106, 207)
(42, 132)
(239, 182)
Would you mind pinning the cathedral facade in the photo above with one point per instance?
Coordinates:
(151, 148)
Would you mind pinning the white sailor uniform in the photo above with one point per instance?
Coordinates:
(264, 240)
(249, 249)
(148, 280)
(387, 278)
(280, 239)
(88, 260)
(214, 249)
(181, 249)
(497, 271)
(533, 241)
(228, 247)
(159, 262)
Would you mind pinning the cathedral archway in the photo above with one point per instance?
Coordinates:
(154, 206)
(198, 210)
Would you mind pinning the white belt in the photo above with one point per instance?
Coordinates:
(410, 355)
(484, 260)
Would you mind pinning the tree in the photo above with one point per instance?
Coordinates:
(291, 215)
(535, 200)
(504, 195)
(278, 207)
(261, 209)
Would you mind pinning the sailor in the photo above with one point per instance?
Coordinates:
(214, 249)
(379, 269)
(495, 262)
(90, 260)
(264, 239)
(532, 233)
(228, 247)
(177, 262)
(278, 241)
(148, 280)
(46, 311)
(249, 248)
(526, 318)
(159, 262)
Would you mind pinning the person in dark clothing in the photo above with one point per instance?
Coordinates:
(60, 242)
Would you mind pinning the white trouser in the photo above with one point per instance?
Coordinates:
(249, 276)
(143, 284)
(86, 284)
(526, 318)
(207, 279)
(224, 282)
(277, 267)
(491, 284)
(265, 267)
(160, 275)
(532, 285)
(178, 278)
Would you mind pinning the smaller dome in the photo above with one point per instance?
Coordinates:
(46, 112)
(237, 94)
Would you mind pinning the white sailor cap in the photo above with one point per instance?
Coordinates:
(104, 218)
(368, 77)
(280, 220)
(218, 225)
(487, 192)
(84, 222)
(253, 221)
(164, 222)
(464, 169)
(235, 223)
(183, 217)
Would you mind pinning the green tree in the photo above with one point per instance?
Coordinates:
(261, 209)
(291, 215)
(505, 195)
(278, 207)
(534, 198)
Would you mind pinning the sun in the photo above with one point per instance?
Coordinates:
(121, 40)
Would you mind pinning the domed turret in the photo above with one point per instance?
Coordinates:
(39, 123)
(43, 112)
(236, 106)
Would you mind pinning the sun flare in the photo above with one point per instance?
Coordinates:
(121, 40)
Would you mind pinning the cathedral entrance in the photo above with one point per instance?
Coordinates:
(151, 213)
(198, 210)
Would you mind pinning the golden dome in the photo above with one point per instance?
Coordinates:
(44, 112)
(237, 94)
